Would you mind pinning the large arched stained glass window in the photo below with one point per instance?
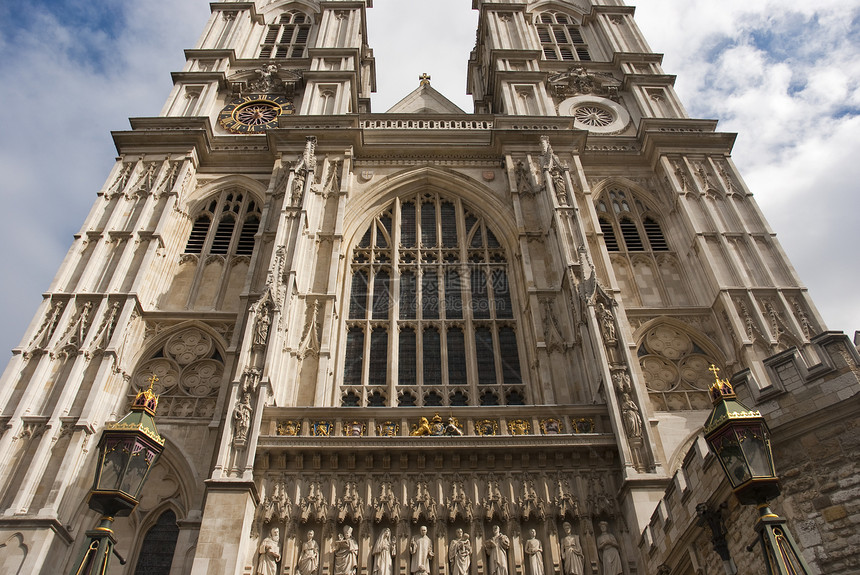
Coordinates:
(156, 553)
(430, 318)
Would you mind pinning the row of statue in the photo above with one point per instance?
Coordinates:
(345, 551)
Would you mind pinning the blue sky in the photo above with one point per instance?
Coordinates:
(783, 74)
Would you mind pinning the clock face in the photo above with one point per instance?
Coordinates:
(254, 114)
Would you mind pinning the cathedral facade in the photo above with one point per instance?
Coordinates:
(425, 341)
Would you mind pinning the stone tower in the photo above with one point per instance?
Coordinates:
(364, 324)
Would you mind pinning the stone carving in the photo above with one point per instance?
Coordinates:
(572, 558)
(101, 340)
(146, 178)
(497, 546)
(421, 548)
(681, 174)
(487, 427)
(306, 163)
(565, 501)
(313, 506)
(383, 554)
(332, 180)
(242, 419)
(599, 502)
(267, 79)
(386, 505)
(262, 319)
(495, 505)
(270, 553)
(309, 559)
(289, 427)
(459, 504)
(519, 427)
(345, 553)
(120, 181)
(251, 379)
(607, 324)
(579, 81)
(752, 331)
(351, 504)
(531, 506)
(459, 554)
(802, 319)
(553, 169)
(630, 416)
(550, 426)
(608, 548)
(534, 554)
(522, 179)
(551, 330)
(277, 506)
(705, 177)
(310, 342)
(71, 340)
(435, 426)
(423, 505)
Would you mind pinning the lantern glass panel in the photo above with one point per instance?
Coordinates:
(755, 446)
(731, 456)
(114, 461)
(138, 466)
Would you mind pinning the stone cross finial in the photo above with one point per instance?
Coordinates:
(424, 79)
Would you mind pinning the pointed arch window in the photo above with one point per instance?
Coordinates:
(225, 226)
(561, 38)
(437, 278)
(159, 544)
(288, 38)
(640, 231)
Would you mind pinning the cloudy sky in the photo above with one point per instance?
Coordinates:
(783, 74)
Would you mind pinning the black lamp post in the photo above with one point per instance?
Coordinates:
(127, 451)
(740, 439)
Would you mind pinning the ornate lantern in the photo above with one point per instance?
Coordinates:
(127, 451)
(740, 439)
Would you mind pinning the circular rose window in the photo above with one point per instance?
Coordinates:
(595, 114)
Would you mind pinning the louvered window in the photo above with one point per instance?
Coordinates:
(442, 289)
(655, 235)
(560, 38)
(288, 38)
(225, 237)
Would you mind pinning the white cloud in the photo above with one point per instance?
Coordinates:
(798, 158)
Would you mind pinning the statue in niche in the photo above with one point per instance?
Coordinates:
(534, 553)
(309, 559)
(422, 552)
(270, 553)
(608, 548)
(607, 323)
(261, 327)
(383, 554)
(242, 418)
(497, 552)
(345, 553)
(572, 558)
(630, 416)
(459, 554)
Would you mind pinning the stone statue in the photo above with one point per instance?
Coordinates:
(269, 553)
(497, 552)
(630, 416)
(534, 554)
(572, 558)
(459, 554)
(261, 327)
(242, 417)
(345, 553)
(422, 551)
(383, 554)
(607, 323)
(309, 560)
(608, 548)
